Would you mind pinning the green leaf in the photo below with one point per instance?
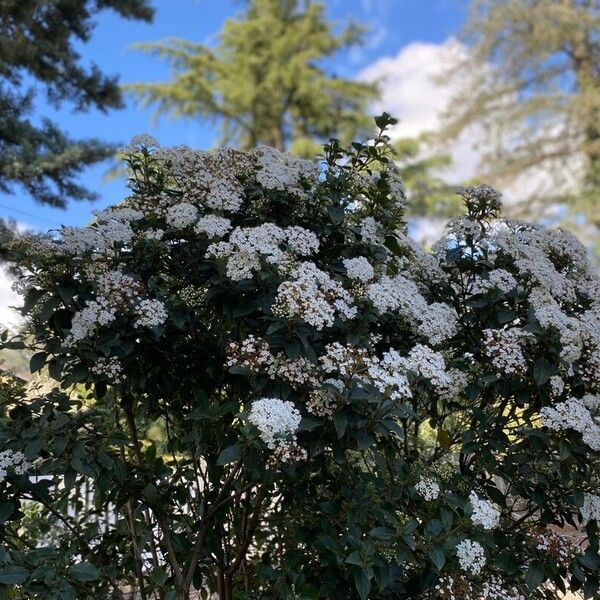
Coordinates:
(7, 508)
(84, 571)
(340, 422)
(38, 360)
(437, 556)
(309, 592)
(434, 527)
(362, 580)
(13, 575)
(230, 454)
(542, 371)
(336, 214)
(384, 534)
(355, 558)
(535, 575)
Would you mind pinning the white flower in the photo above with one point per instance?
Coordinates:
(438, 323)
(14, 459)
(397, 294)
(284, 172)
(359, 268)
(471, 556)
(95, 313)
(590, 511)
(388, 375)
(572, 414)
(503, 347)
(496, 279)
(484, 513)
(213, 226)
(274, 418)
(151, 313)
(370, 231)
(314, 297)
(181, 215)
(301, 241)
(428, 488)
(111, 368)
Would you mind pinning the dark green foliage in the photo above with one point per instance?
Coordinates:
(37, 50)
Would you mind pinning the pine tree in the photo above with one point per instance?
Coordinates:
(531, 80)
(36, 48)
(264, 82)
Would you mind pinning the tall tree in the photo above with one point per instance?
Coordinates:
(264, 82)
(531, 80)
(37, 49)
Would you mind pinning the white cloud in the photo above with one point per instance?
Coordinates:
(9, 317)
(412, 92)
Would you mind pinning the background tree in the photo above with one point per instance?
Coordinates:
(430, 196)
(36, 47)
(532, 81)
(264, 82)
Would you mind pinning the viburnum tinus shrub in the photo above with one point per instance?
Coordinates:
(276, 394)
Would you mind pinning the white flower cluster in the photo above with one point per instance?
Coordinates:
(181, 215)
(550, 315)
(484, 513)
(210, 179)
(431, 365)
(346, 361)
(471, 556)
(560, 547)
(117, 293)
(462, 228)
(590, 511)
(557, 385)
(397, 294)
(284, 172)
(359, 268)
(497, 279)
(151, 313)
(274, 418)
(98, 237)
(428, 488)
(252, 353)
(124, 214)
(247, 245)
(323, 400)
(95, 313)
(15, 460)
(437, 322)
(503, 347)
(111, 368)
(213, 226)
(573, 414)
(154, 234)
(313, 296)
(388, 374)
(497, 589)
(370, 231)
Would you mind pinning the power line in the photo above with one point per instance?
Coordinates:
(28, 214)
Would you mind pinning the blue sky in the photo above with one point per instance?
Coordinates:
(393, 25)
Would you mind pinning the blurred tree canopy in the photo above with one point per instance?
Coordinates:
(37, 51)
(531, 82)
(430, 195)
(264, 82)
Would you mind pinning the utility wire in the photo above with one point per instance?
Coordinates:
(28, 214)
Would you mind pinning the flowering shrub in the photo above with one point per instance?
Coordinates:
(283, 396)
